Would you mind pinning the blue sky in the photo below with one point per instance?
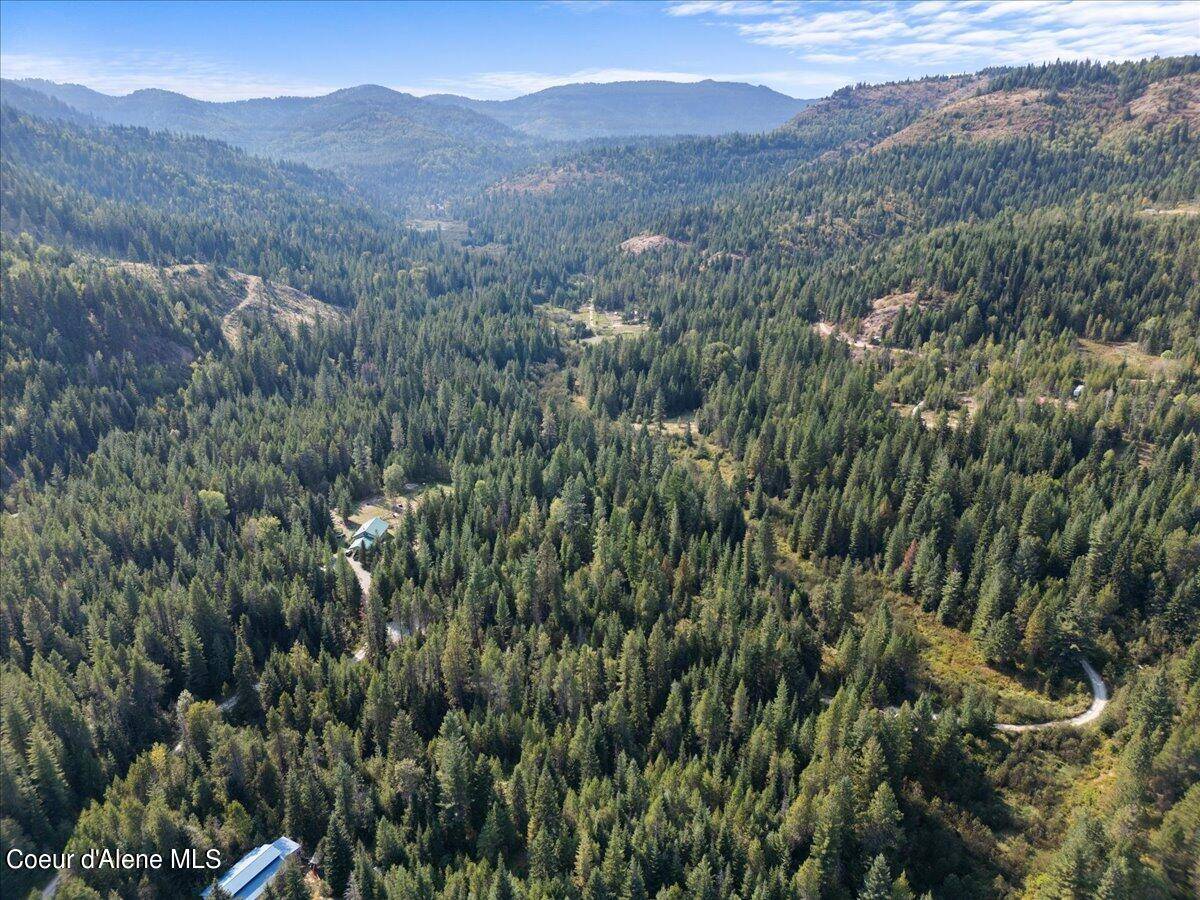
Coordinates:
(228, 50)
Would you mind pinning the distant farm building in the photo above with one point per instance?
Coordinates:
(367, 536)
(253, 872)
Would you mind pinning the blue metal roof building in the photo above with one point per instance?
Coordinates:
(250, 875)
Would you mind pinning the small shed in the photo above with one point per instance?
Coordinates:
(368, 535)
(252, 873)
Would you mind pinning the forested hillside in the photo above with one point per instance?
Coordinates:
(405, 152)
(396, 148)
(739, 488)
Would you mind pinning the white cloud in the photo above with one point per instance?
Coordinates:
(731, 7)
(823, 58)
(132, 70)
(961, 35)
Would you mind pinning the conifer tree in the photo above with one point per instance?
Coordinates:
(878, 883)
(337, 853)
(246, 704)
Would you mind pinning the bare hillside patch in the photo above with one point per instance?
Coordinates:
(1032, 112)
(871, 330)
(547, 181)
(643, 243)
(1164, 103)
(244, 299)
(984, 117)
(885, 311)
(894, 96)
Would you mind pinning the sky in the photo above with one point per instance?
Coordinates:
(236, 50)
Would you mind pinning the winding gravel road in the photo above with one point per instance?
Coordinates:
(1099, 701)
(1091, 714)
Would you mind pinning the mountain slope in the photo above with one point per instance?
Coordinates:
(1094, 112)
(385, 124)
(243, 302)
(711, 607)
(162, 198)
(581, 111)
(1094, 104)
(27, 98)
(402, 150)
(854, 117)
(392, 145)
(83, 348)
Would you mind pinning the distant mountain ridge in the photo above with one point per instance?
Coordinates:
(272, 126)
(655, 108)
(392, 145)
(29, 98)
(405, 150)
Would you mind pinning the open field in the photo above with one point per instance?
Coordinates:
(1132, 356)
(453, 230)
(602, 324)
(607, 324)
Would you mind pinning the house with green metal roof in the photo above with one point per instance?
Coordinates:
(368, 535)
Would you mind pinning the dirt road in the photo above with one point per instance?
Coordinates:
(1091, 714)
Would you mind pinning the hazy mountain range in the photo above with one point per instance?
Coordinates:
(404, 149)
(575, 111)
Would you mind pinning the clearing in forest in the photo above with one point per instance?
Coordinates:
(885, 311)
(452, 230)
(929, 417)
(589, 325)
(701, 450)
(1186, 208)
(549, 179)
(870, 331)
(244, 298)
(642, 243)
(951, 662)
(389, 508)
(1132, 356)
